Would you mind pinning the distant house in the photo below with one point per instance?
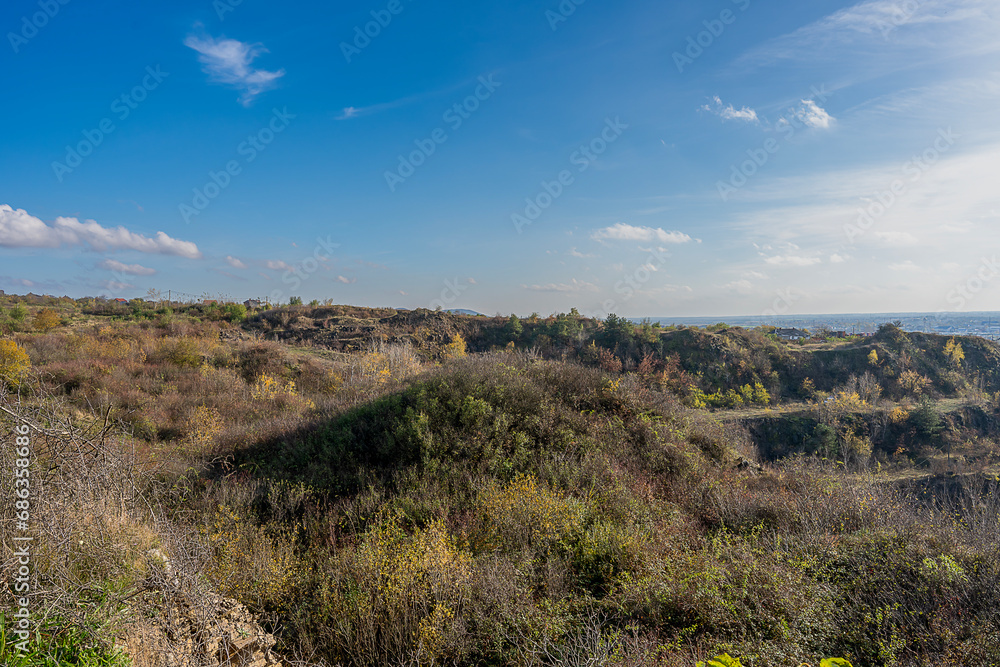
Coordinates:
(252, 303)
(121, 300)
(209, 302)
(838, 334)
(791, 334)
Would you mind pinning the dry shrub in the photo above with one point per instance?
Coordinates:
(202, 427)
(524, 514)
(253, 564)
(402, 596)
(260, 358)
(384, 364)
(317, 377)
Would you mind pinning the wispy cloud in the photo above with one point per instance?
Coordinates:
(729, 112)
(898, 30)
(277, 265)
(792, 260)
(625, 232)
(897, 238)
(228, 61)
(573, 286)
(19, 229)
(235, 262)
(908, 265)
(810, 114)
(130, 269)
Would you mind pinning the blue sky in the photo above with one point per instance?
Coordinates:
(732, 157)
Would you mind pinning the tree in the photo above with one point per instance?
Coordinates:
(18, 313)
(46, 319)
(873, 358)
(295, 301)
(513, 328)
(456, 348)
(14, 363)
(954, 352)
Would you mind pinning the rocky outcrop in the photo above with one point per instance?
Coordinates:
(210, 631)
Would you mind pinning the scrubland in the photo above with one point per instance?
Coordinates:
(490, 491)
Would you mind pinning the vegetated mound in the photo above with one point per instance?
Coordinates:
(496, 415)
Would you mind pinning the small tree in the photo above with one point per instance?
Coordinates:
(18, 313)
(954, 352)
(46, 319)
(295, 301)
(456, 348)
(14, 363)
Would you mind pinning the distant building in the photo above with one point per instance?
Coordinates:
(791, 334)
(838, 334)
(252, 303)
(121, 300)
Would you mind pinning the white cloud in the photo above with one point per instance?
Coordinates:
(116, 285)
(728, 112)
(624, 232)
(792, 260)
(235, 262)
(573, 252)
(19, 229)
(277, 265)
(228, 61)
(130, 269)
(837, 258)
(810, 114)
(345, 280)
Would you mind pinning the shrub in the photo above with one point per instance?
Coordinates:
(46, 319)
(235, 312)
(456, 348)
(14, 363)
